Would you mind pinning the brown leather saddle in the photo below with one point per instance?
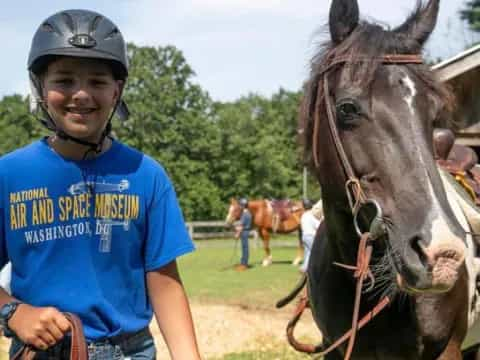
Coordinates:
(78, 350)
(458, 160)
(283, 209)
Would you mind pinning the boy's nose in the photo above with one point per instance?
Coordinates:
(80, 95)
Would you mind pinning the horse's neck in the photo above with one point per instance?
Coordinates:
(255, 207)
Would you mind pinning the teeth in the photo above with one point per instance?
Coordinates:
(77, 111)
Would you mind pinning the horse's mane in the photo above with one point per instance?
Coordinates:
(367, 41)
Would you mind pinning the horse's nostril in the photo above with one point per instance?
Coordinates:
(416, 244)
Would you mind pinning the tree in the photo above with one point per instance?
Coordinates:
(18, 125)
(260, 155)
(171, 121)
(471, 14)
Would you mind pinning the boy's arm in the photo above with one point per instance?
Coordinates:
(172, 311)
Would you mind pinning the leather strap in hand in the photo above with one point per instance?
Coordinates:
(78, 350)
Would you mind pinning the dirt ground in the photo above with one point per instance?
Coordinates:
(223, 329)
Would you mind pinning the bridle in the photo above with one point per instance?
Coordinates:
(354, 191)
(357, 200)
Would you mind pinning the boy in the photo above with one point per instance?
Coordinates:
(90, 226)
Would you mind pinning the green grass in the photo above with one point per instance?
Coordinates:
(209, 276)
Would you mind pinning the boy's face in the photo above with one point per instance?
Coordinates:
(80, 94)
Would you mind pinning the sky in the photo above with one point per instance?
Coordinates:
(235, 47)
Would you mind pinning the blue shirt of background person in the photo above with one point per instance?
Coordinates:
(246, 220)
(91, 226)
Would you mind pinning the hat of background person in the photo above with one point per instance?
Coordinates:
(243, 202)
(307, 204)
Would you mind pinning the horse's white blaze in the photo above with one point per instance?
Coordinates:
(413, 91)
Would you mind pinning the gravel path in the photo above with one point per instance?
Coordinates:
(223, 329)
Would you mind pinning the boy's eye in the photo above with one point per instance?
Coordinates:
(99, 82)
(63, 81)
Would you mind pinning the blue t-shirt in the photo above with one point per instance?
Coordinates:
(82, 234)
(246, 220)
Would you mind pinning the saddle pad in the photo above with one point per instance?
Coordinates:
(468, 215)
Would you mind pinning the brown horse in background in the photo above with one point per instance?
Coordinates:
(277, 216)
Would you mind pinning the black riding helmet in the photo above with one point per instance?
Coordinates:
(307, 204)
(77, 33)
(243, 202)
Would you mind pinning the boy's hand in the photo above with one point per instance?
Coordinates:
(40, 327)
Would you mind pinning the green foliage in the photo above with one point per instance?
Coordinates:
(471, 14)
(170, 121)
(259, 147)
(17, 124)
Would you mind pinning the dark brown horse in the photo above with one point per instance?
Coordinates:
(279, 216)
(367, 119)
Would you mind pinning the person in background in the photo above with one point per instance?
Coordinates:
(309, 223)
(243, 231)
(90, 225)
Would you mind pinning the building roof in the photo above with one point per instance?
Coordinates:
(459, 64)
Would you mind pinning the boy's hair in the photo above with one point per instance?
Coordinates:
(40, 67)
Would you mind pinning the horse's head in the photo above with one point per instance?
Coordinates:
(383, 110)
(234, 211)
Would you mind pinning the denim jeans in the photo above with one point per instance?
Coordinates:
(244, 239)
(140, 346)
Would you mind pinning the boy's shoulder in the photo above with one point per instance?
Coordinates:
(129, 154)
(23, 153)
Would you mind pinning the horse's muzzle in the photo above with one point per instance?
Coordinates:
(435, 269)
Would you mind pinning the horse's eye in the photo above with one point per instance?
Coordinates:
(347, 112)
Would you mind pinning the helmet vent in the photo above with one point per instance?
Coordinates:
(69, 21)
(50, 28)
(94, 24)
(47, 27)
(112, 34)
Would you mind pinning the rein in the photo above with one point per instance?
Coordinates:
(356, 198)
(78, 347)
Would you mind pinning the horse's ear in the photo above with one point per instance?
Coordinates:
(419, 25)
(343, 19)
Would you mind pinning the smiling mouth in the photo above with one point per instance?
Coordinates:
(80, 111)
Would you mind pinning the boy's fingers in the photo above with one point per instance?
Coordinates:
(56, 332)
(62, 322)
